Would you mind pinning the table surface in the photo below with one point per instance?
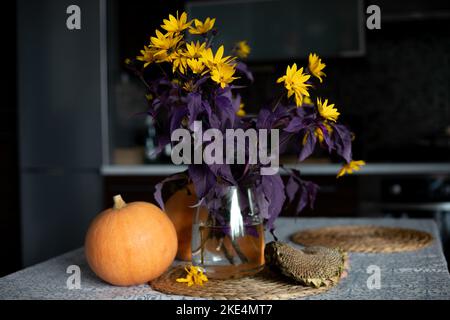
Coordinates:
(421, 274)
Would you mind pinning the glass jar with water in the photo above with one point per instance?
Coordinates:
(228, 242)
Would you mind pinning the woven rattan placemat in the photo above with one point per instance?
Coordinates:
(364, 238)
(265, 285)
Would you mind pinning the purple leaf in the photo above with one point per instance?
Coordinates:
(177, 116)
(307, 195)
(292, 187)
(158, 187)
(262, 201)
(203, 179)
(343, 141)
(263, 121)
(295, 125)
(273, 189)
(267, 119)
(311, 189)
(242, 67)
(222, 171)
(201, 81)
(326, 137)
(206, 106)
(304, 191)
(308, 147)
(236, 102)
(194, 102)
(225, 112)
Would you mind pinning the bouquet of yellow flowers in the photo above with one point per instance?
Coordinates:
(197, 81)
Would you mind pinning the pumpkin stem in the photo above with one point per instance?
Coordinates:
(118, 202)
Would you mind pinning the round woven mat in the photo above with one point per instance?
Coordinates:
(266, 285)
(374, 239)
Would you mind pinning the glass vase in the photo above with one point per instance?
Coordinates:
(228, 242)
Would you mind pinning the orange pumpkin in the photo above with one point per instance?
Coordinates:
(130, 244)
(178, 209)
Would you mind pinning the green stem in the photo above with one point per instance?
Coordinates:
(141, 77)
(226, 252)
(239, 252)
(277, 103)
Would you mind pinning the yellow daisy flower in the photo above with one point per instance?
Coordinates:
(195, 65)
(147, 56)
(242, 49)
(211, 60)
(241, 112)
(327, 111)
(223, 74)
(194, 49)
(202, 27)
(316, 66)
(176, 24)
(350, 167)
(164, 46)
(179, 62)
(295, 83)
(194, 276)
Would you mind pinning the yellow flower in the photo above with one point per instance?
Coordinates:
(194, 276)
(315, 66)
(350, 167)
(242, 49)
(241, 112)
(175, 25)
(327, 111)
(147, 56)
(295, 83)
(211, 60)
(194, 50)
(179, 62)
(223, 74)
(195, 65)
(307, 101)
(202, 27)
(164, 46)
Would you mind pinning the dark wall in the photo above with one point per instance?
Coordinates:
(60, 125)
(396, 98)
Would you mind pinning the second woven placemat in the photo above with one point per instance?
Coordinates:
(265, 285)
(364, 238)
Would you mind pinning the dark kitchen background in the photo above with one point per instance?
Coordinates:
(72, 135)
